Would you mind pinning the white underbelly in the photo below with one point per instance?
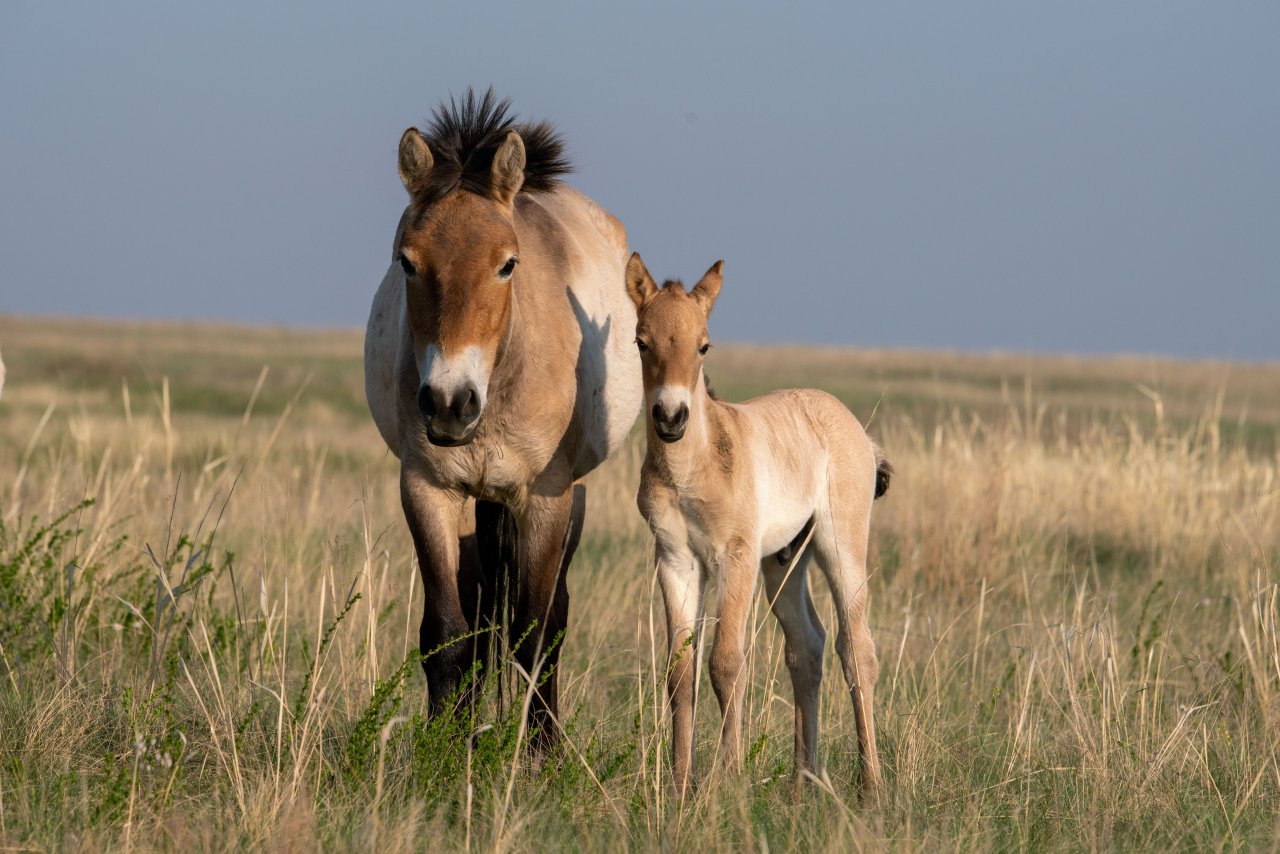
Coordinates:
(785, 500)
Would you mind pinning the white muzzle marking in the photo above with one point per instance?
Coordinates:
(451, 374)
(670, 397)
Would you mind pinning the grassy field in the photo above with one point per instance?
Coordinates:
(1074, 598)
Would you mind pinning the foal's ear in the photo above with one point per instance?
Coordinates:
(708, 288)
(415, 161)
(640, 285)
(507, 173)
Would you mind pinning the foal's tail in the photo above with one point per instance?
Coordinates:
(884, 471)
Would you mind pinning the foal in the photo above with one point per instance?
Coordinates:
(732, 490)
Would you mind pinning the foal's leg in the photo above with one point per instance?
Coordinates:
(788, 593)
(840, 546)
(681, 581)
(549, 529)
(738, 572)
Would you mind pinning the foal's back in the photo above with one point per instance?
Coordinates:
(807, 452)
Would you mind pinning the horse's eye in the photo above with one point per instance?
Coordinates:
(508, 268)
(644, 348)
(407, 266)
(704, 348)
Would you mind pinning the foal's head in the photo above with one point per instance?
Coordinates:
(671, 332)
(458, 249)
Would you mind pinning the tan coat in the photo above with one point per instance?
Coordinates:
(731, 491)
(499, 368)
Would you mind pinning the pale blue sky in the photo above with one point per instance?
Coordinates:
(1084, 177)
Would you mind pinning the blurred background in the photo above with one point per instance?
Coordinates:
(1082, 177)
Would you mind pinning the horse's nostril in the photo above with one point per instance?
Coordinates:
(467, 403)
(670, 421)
(426, 402)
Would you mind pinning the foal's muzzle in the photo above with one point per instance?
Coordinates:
(451, 418)
(670, 427)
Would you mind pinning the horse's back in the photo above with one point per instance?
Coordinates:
(806, 439)
(584, 219)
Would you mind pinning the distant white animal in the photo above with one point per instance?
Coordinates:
(1, 376)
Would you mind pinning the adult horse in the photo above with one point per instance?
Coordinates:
(500, 369)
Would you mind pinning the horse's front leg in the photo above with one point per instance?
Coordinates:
(433, 516)
(549, 527)
(681, 580)
(738, 569)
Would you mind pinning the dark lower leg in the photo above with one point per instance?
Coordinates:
(549, 535)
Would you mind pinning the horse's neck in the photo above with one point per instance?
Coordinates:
(521, 361)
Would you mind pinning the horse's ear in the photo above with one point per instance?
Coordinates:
(640, 285)
(415, 161)
(507, 174)
(708, 288)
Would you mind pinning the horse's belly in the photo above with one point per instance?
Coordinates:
(786, 499)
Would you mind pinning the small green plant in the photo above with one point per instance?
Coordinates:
(36, 586)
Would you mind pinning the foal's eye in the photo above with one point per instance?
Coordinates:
(704, 348)
(508, 268)
(644, 348)
(407, 266)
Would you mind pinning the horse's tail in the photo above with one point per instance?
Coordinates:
(884, 471)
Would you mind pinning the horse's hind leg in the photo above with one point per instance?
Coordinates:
(788, 590)
(489, 571)
(549, 530)
(840, 547)
(496, 540)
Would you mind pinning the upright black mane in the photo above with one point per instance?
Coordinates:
(464, 135)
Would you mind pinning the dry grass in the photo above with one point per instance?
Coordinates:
(1074, 599)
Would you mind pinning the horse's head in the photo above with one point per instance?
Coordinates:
(459, 254)
(671, 332)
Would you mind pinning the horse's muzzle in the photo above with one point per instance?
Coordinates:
(451, 419)
(670, 428)
(447, 436)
